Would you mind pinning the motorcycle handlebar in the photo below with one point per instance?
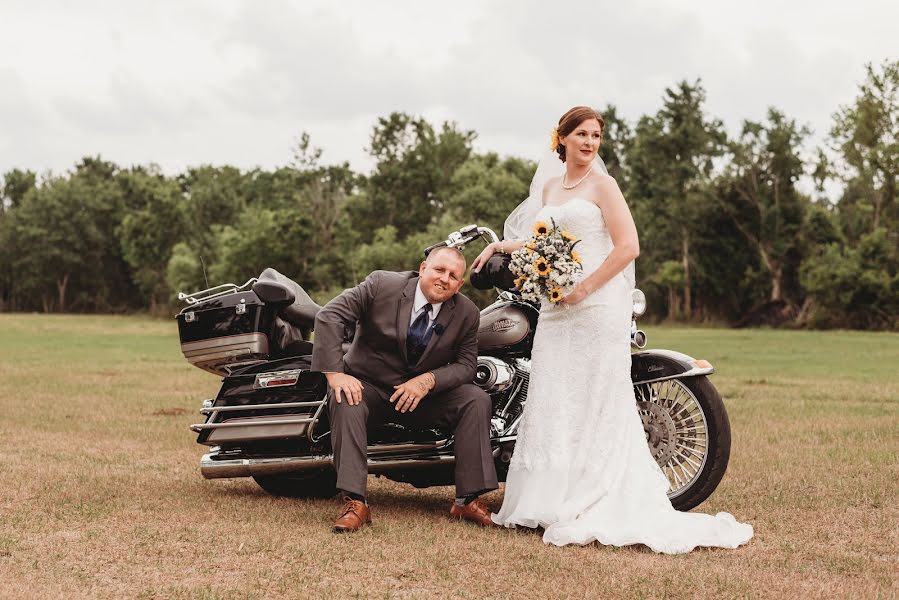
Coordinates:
(463, 237)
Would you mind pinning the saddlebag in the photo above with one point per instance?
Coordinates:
(277, 400)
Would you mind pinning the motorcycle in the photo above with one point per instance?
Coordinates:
(269, 420)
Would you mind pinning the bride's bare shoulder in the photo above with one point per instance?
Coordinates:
(602, 188)
(597, 178)
(602, 183)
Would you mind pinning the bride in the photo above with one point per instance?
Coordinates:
(581, 468)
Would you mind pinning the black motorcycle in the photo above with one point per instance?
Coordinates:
(269, 420)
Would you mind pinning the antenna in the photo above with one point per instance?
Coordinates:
(202, 264)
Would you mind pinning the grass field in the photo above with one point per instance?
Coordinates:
(101, 494)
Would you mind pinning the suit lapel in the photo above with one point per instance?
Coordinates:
(403, 314)
(443, 318)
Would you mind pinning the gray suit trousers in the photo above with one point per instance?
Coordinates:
(464, 410)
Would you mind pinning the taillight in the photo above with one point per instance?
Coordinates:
(277, 379)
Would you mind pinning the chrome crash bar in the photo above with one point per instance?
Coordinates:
(310, 418)
(216, 409)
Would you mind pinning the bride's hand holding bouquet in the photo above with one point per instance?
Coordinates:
(547, 264)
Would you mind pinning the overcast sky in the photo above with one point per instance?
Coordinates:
(192, 82)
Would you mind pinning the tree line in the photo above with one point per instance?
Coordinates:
(727, 233)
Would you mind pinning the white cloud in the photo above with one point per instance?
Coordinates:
(234, 82)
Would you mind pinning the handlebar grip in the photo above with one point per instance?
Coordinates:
(430, 248)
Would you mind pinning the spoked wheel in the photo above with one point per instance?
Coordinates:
(688, 433)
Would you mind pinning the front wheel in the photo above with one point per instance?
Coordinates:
(688, 433)
(316, 484)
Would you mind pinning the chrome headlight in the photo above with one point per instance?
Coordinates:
(638, 298)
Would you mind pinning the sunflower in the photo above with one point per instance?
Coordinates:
(520, 281)
(541, 267)
(567, 236)
(541, 229)
(575, 256)
(555, 294)
(554, 139)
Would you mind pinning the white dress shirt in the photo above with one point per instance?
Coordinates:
(418, 306)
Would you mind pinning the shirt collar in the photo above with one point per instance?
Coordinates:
(420, 301)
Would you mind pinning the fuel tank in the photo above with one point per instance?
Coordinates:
(507, 327)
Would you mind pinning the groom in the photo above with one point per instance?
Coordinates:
(411, 362)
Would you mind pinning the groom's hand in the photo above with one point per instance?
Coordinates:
(409, 393)
(347, 385)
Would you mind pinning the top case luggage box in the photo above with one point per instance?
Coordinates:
(224, 332)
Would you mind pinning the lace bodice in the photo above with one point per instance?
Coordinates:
(582, 219)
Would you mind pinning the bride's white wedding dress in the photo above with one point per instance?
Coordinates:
(581, 467)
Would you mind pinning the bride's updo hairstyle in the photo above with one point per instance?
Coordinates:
(569, 123)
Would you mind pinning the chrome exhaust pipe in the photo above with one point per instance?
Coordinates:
(248, 467)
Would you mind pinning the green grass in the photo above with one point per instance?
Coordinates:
(101, 495)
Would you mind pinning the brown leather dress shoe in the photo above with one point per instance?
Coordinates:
(353, 517)
(475, 511)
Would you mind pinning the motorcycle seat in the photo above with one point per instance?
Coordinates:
(272, 286)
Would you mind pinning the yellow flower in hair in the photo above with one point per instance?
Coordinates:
(555, 294)
(554, 140)
(575, 256)
(541, 267)
(541, 228)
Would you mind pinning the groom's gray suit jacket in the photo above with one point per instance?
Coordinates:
(382, 307)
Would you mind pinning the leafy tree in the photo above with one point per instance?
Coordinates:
(213, 196)
(305, 156)
(855, 287)
(149, 232)
(866, 134)
(262, 238)
(185, 272)
(111, 287)
(16, 183)
(486, 188)
(617, 139)
(415, 165)
(821, 226)
(58, 243)
(758, 192)
(850, 267)
(331, 237)
(671, 161)
(269, 189)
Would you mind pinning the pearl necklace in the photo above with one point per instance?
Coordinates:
(577, 183)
